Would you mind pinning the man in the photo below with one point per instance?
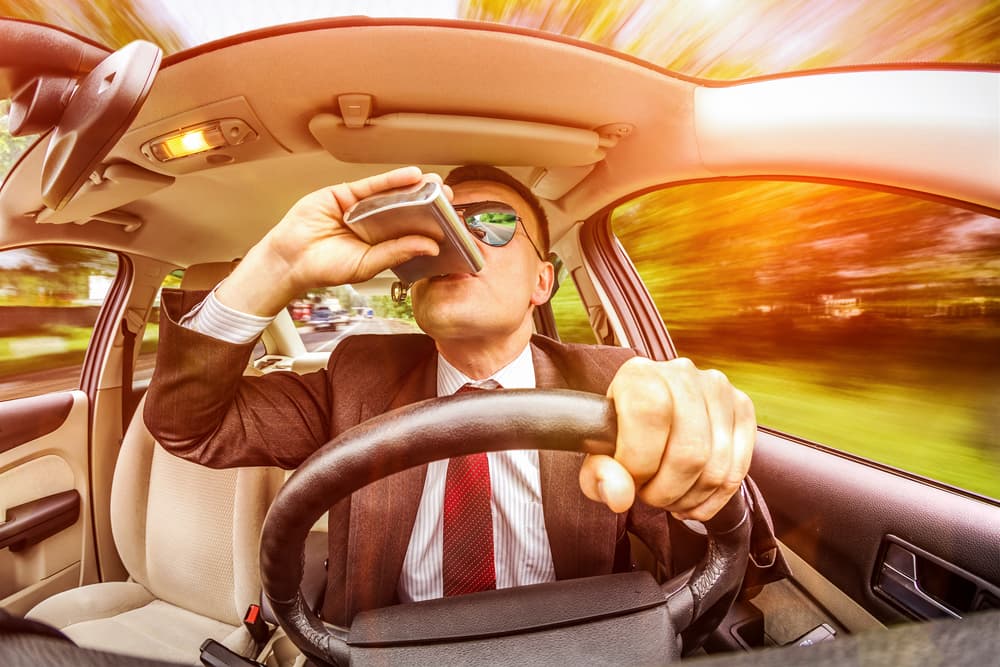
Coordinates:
(684, 443)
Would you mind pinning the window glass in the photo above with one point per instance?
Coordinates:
(862, 320)
(326, 315)
(151, 335)
(570, 314)
(10, 147)
(146, 360)
(50, 296)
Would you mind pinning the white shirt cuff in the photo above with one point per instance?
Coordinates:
(218, 320)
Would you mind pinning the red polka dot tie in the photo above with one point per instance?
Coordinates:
(467, 559)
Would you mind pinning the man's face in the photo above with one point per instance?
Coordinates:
(498, 300)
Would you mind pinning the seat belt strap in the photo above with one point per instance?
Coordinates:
(128, 359)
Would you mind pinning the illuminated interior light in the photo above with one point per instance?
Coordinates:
(188, 142)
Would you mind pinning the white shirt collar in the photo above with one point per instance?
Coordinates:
(518, 374)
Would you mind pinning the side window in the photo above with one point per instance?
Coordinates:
(862, 320)
(146, 360)
(50, 296)
(325, 315)
(11, 147)
(570, 314)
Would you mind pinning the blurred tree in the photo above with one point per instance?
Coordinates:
(54, 274)
(10, 147)
(731, 39)
(68, 258)
(113, 23)
(720, 249)
(384, 306)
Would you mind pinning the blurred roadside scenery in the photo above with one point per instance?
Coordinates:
(865, 321)
(49, 299)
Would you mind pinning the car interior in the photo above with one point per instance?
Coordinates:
(138, 556)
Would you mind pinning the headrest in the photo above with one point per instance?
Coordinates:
(205, 276)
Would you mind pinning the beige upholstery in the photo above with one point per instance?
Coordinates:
(188, 536)
(205, 276)
(124, 617)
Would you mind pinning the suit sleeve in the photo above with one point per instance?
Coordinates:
(202, 408)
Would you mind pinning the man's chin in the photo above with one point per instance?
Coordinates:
(448, 318)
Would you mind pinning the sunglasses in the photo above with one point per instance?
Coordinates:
(494, 223)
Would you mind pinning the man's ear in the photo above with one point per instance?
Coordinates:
(543, 284)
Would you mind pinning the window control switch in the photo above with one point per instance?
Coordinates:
(821, 633)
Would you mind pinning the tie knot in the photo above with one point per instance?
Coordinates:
(481, 385)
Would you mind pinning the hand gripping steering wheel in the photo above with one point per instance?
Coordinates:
(627, 618)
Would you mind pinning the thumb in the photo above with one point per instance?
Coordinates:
(394, 252)
(605, 480)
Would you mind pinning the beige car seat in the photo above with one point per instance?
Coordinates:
(188, 536)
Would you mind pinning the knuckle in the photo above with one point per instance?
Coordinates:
(715, 377)
(656, 497)
(690, 457)
(742, 399)
(683, 364)
(642, 471)
(636, 366)
(714, 478)
(645, 395)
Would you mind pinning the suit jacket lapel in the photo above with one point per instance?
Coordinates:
(582, 533)
(383, 513)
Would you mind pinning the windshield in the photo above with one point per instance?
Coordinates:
(718, 39)
(725, 39)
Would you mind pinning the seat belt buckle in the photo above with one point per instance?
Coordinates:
(214, 654)
(253, 621)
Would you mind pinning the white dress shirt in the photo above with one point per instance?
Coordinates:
(521, 548)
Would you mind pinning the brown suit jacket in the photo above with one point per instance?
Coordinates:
(200, 407)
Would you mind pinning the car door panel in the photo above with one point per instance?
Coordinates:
(44, 474)
(839, 513)
(24, 421)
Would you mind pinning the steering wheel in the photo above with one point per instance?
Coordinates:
(563, 622)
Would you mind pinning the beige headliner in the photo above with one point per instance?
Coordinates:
(937, 131)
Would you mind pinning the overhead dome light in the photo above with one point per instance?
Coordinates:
(198, 139)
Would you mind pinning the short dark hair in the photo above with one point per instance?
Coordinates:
(480, 172)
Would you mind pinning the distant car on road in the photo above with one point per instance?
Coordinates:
(301, 311)
(323, 318)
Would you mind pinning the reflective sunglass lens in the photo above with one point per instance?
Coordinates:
(495, 228)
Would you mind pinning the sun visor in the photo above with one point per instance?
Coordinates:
(117, 185)
(419, 138)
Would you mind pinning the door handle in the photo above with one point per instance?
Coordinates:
(34, 521)
(927, 586)
(898, 580)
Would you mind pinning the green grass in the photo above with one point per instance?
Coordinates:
(55, 347)
(52, 347)
(946, 432)
(150, 338)
(571, 317)
(931, 408)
